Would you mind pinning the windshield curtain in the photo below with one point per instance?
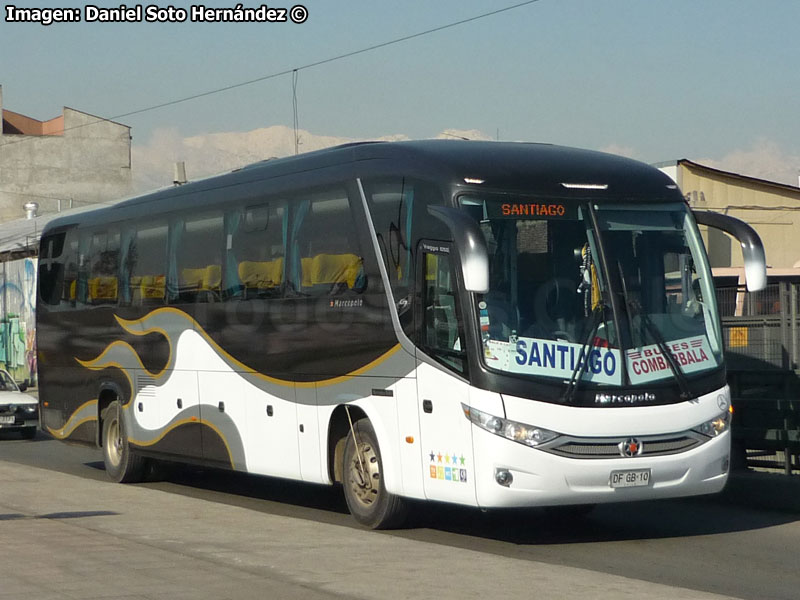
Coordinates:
(548, 313)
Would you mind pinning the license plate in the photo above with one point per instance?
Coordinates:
(631, 478)
(7, 420)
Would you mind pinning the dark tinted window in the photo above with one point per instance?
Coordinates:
(399, 210)
(255, 242)
(326, 256)
(196, 246)
(103, 264)
(442, 334)
(146, 264)
(51, 268)
(69, 290)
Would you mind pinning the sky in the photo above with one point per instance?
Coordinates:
(715, 81)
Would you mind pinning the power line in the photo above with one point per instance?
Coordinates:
(311, 65)
(294, 109)
(328, 60)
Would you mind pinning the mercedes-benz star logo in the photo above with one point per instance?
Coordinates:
(631, 447)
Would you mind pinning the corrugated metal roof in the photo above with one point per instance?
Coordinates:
(739, 177)
(22, 235)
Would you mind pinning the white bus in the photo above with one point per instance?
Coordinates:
(488, 324)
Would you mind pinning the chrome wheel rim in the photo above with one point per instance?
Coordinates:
(365, 474)
(114, 443)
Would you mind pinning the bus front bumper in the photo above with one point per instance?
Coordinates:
(509, 474)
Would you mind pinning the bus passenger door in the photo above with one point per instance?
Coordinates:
(446, 433)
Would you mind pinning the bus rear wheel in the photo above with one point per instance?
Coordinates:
(364, 489)
(122, 464)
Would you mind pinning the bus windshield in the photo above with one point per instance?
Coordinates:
(606, 295)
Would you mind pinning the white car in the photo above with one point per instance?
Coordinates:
(18, 411)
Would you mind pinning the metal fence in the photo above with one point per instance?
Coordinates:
(761, 332)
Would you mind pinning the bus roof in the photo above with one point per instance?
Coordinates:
(540, 169)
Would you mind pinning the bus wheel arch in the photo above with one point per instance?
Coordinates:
(338, 430)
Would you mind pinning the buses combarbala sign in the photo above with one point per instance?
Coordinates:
(649, 363)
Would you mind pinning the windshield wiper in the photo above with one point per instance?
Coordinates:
(636, 309)
(580, 365)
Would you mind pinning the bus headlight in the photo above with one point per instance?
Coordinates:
(530, 435)
(715, 426)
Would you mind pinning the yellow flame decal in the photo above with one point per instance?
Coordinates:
(140, 327)
(74, 421)
(123, 356)
(165, 432)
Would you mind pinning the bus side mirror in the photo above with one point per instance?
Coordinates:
(755, 261)
(471, 246)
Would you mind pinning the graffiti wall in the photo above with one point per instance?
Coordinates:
(18, 318)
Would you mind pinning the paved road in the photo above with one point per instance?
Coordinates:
(714, 546)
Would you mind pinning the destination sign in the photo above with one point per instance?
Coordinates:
(531, 210)
(558, 359)
(690, 354)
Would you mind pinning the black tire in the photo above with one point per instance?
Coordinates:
(364, 490)
(28, 433)
(122, 464)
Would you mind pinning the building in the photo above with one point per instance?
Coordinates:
(72, 160)
(67, 163)
(772, 209)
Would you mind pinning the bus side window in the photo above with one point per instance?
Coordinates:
(82, 283)
(255, 250)
(51, 268)
(442, 326)
(69, 257)
(194, 272)
(326, 258)
(103, 261)
(147, 265)
(399, 210)
(391, 202)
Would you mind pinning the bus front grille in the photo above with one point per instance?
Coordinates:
(613, 447)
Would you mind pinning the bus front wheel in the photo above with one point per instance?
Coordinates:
(122, 465)
(364, 489)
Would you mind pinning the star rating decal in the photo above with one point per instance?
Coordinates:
(438, 470)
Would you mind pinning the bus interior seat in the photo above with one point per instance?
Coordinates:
(203, 280)
(102, 289)
(261, 276)
(147, 287)
(332, 273)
